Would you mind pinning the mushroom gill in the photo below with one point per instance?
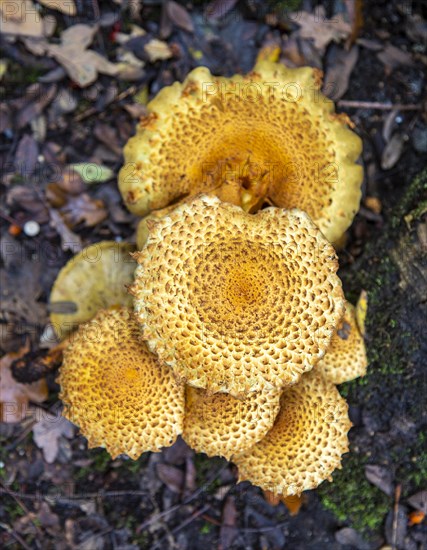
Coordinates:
(269, 136)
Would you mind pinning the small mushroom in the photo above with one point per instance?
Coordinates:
(306, 442)
(270, 136)
(116, 391)
(223, 425)
(345, 358)
(97, 277)
(235, 302)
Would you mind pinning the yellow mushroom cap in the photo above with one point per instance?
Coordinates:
(345, 358)
(268, 135)
(306, 442)
(236, 302)
(96, 278)
(223, 425)
(115, 390)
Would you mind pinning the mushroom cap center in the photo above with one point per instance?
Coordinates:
(236, 284)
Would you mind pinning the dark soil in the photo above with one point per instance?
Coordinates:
(85, 500)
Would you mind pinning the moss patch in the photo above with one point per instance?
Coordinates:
(390, 430)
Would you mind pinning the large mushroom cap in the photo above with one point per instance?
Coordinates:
(306, 442)
(115, 390)
(345, 358)
(223, 425)
(96, 278)
(236, 302)
(268, 135)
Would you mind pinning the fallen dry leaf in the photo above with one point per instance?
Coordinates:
(26, 156)
(392, 57)
(219, 8)
(47, 433)
(419, 501)
(380, 477)
(171, 476)
(179, 16)
(81, 64)
(20, 18)
(322, 31)
(393, 150)
(157, 50)
(15, 397)
(228, 530)
(340, 66)
(83, 209)
(69, 240)
(67, 7)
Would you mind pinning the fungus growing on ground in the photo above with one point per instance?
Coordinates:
(222, 425)
(235, 302)
(97, 277)
(269, 136)
(116, 391)
(345, 358)
(306, 442)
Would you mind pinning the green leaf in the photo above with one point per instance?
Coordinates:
(91, 172)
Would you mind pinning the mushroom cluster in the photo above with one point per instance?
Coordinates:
(239, 330)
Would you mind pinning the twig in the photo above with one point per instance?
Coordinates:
(22, 505)
(184, 524)
(397, 494)
(350, 104)
(192, 497)
(93, 110)
(15, 535)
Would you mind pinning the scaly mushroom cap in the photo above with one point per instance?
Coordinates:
(223, 425)
(116, 391)
(236, 302)
(96, 278)
(306, 442)
(345, 358)
(270, 135)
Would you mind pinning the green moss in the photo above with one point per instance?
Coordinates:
(353, 499)
(206, 528)
(394, 380)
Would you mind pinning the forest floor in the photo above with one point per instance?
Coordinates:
(59, 111)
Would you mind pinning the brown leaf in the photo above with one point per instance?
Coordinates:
(339, 70)
(83, 209)
(71, 182)
(15, 397)
(380, 477)
(67, 7)
(419, 501)
(36, 107)
(81, 64)
(20, 18)
(27, 198)
(107, 135)
(48, 431)
(172, 477)
(48, 520)
(26, 156)
(317, 27)
(179, 16)
(228, 530)
(392, 57)
(393, 151)
(69, 240)
(219, 8)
